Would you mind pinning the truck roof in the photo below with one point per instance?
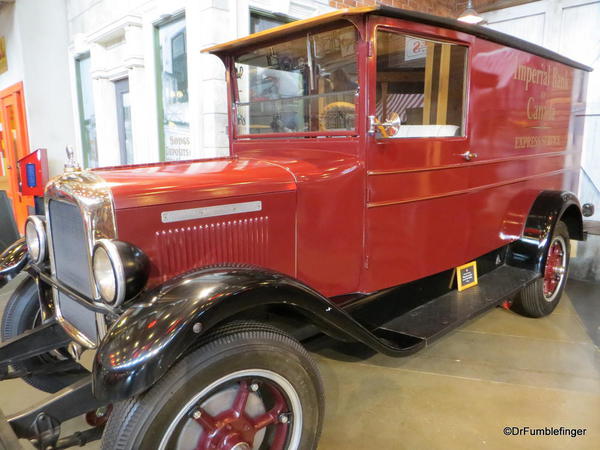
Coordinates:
(387, 11)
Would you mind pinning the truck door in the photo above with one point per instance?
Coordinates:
(417, 155)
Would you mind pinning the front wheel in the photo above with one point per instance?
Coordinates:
(539, 298)
(250, 386)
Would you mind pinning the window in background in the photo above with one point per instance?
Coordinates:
(172, 82)
(87, 115)
(262, 20)
(124, 121)
(423, 83)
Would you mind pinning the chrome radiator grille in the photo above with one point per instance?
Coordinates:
(69, 243)
(71, 264)
(79, 212)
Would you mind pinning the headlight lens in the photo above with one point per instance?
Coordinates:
(120, 270)
(105, 274)
(35, 236)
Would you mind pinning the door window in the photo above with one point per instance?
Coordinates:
(420, 87)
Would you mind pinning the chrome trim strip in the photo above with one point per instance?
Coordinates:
(180, 215)
(94, 198)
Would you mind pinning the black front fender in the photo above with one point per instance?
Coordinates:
(150, 337)
(12, 261)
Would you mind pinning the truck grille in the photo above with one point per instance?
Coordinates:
(70, 246)
(71, 264)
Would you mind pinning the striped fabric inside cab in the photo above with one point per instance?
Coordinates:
(399, 103)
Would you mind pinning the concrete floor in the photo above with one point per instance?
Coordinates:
(499, 370)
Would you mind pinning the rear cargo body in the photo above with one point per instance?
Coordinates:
(522, 123)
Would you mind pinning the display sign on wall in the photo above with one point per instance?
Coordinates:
(3, 56)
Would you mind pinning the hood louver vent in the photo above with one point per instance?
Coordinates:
(233, 241)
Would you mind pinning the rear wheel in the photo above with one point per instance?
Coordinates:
(250, 386)
(539, 298)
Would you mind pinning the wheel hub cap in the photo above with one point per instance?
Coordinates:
(555, 268)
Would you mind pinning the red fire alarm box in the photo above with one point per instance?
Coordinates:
(33, 170)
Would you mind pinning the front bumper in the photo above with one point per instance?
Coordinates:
(12, 261)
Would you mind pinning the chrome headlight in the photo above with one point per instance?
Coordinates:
(35, 236)
(120, 270)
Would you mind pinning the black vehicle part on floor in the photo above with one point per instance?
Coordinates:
(66, 404)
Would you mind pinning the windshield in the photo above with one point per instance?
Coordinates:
(308, 84)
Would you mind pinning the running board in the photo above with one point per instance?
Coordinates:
(419, 326)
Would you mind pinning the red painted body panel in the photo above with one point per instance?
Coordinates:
(352, 213)
(178, 182)
(330, 204)
(264, 238)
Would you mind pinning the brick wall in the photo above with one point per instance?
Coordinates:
(437, 7)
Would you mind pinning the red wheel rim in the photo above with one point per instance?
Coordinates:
(554, 271)
(233, 429)
(242, 414)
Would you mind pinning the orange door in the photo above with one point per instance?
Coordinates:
(15, 145)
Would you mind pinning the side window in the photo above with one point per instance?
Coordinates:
(304, 85)
(420, 86)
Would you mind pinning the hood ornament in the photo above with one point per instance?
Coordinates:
(71, 164)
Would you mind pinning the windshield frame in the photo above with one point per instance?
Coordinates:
(233, 92)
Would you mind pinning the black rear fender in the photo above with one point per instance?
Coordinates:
(529, 252)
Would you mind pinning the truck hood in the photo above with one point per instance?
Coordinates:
(183, 181)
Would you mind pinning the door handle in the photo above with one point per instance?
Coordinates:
(468, 155)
